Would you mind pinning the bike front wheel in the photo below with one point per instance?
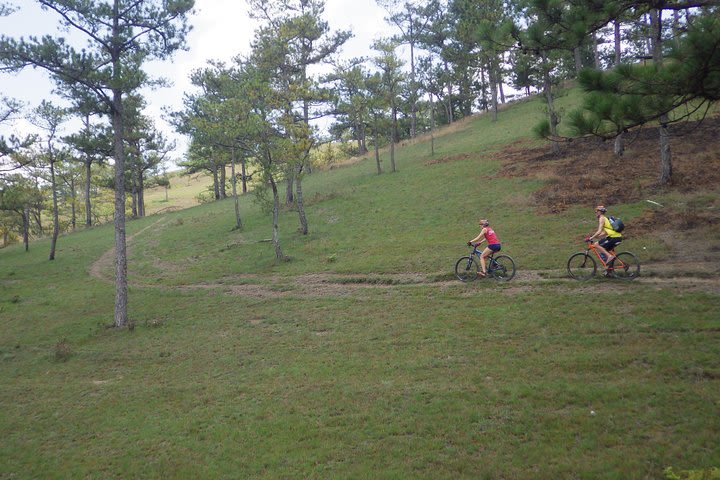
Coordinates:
(581, 266)
(466, 269)
(626, 266)
(502, 268)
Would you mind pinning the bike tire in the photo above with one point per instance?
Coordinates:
(466, 269)
(503, 268)
(626, 266)
(581, 266)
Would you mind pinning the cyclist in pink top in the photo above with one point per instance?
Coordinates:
(489, 235)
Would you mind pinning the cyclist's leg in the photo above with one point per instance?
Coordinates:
(601, 248)
(485, 253)
(608, 245)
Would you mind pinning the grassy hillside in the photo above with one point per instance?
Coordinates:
(361, 357)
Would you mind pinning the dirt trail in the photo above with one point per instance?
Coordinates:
(105, 262)
(700, 276)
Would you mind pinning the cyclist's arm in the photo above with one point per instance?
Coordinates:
(480, 238)
(601, 224)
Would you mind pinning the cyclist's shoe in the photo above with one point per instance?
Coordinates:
(608, 273)
(482, 274)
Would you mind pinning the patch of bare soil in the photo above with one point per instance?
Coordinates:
(587, 172)
(105, 262)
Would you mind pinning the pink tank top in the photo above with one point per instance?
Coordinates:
(490, 236)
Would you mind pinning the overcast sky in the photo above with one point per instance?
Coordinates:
(221, 30)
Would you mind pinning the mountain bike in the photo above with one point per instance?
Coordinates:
(501, 267)
(582, 265)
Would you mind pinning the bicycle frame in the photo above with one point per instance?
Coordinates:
(606, 266)
(479, 253)
(491, 264)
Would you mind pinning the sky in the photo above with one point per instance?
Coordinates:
(222, 29)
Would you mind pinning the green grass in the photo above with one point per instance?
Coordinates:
(377, 379)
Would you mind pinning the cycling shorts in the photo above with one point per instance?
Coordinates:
(495, 247)
(609, 243)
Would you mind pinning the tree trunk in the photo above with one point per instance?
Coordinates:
(56, 216)
(363, 142)
(300, 205)
(392, 155)
(121, 287)
(88, 211)
(141, 193)
(26, 227)
(596, 52)
(276, 214)
(289, 194)
(449, 96)
(552, 114)
(494, 90)
(618, 51)
(73, 219)
(665, 153)
(223, 180)
(133, 193)
(413, 87)
(37, 213)
(432, 126)
(243, 172)
(578, 60)
(238, 221)
(216, 184)
(377, 146)
(619, 147)
(500, 80)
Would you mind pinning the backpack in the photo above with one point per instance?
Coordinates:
(617, 224)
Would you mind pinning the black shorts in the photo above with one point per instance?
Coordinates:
(609, 243)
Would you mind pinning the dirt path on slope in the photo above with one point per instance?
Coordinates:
(699, 276)
(107, 259)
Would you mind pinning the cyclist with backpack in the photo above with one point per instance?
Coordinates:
(608, 234)
(489, 235)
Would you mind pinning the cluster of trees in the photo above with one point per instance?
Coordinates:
(445, 60)
(639, 61)
(66, 177)
(102, 78)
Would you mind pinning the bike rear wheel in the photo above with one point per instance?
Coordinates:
(581, 266)
(466, 269)
(502, 268)
(626, 266)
